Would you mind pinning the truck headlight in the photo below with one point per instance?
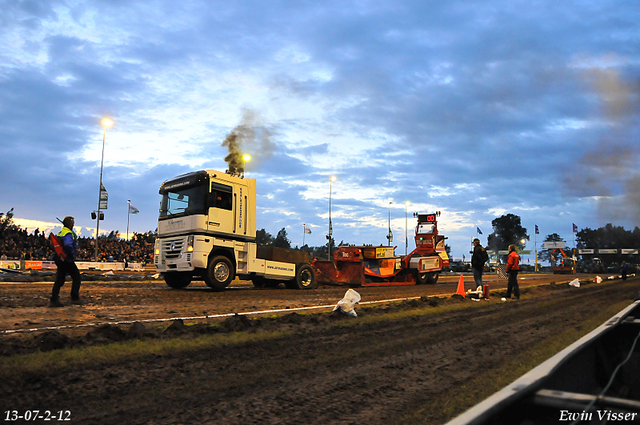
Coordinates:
(190, 243)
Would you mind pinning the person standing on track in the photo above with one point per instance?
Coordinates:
(478, 258)
(67, 265)
(624, 270)
(513, 265)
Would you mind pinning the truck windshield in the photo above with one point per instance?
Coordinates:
(184, 201)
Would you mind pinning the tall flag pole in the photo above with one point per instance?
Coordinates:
(535, 247)
(130, 210)
(128, 214)
(304, 232)
(478, 233)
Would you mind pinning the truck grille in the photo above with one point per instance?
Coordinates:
(171, 248)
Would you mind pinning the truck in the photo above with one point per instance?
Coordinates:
(207, 231)
(368, 265)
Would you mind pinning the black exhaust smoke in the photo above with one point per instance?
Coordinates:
(249, 137)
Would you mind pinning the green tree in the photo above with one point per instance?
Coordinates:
(507, 230)
(112, 236)
(547, 254)
(6, 220)
(281, 240)
(145, 238)
(263, 238)
(612, 237)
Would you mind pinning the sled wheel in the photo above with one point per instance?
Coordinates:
(432, 278)
(422, 278)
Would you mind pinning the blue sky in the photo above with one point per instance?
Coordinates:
(472, 108)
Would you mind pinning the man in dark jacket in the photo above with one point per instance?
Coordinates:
(478, 259)
(66, 266)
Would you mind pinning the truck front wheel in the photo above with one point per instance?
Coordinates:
(178, 280)
(219, 273)
(305, 278)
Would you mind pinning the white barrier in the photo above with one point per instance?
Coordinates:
(92, 265)
(82, 265)
(10, 264)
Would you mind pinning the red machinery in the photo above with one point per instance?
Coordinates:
(567, 264)
(378, 266)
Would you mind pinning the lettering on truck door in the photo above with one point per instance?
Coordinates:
(240, 211)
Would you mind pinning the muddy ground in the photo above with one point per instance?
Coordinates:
(326, 368)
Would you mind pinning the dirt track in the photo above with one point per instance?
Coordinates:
(325, 369)
(115, 300)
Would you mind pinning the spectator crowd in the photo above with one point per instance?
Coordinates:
(18, 244)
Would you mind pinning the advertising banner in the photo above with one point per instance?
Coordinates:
(90, 265)
(10, 264)
(104, 197)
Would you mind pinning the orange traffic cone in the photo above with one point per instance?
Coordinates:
(460, 290)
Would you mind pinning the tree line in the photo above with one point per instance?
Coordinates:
(508, 229)
(281, 240)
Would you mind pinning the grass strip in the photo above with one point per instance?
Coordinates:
(117, 352)
(457, 400)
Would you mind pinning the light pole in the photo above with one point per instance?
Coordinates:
(406, 235)
(390, 235)
(331, 180)
(105, 123)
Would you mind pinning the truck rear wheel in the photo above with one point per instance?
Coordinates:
(178, 280)
(305, 278)
(219, 273)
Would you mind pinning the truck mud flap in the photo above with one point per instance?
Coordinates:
(346, 273)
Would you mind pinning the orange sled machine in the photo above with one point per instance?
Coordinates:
(379, 266)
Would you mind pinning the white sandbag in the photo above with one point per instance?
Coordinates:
(575, 282)
(346, 305)
(598, 279)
